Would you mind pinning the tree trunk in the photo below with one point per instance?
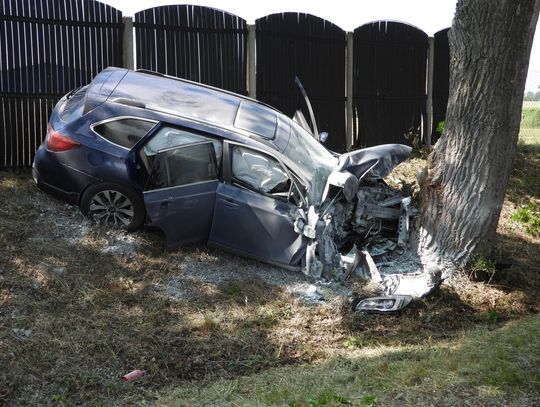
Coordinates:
(468, 170)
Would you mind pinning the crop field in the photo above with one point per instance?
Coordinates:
(530, 123)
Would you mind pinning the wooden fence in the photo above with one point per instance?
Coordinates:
(293, 44)
(193, 42)
(48, 47)
(441, 78)
(389, 82)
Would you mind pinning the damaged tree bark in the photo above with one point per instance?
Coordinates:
(468, 170)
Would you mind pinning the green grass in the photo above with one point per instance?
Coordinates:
(490, 367)
(530, 116)
(529, 216)
(524, 185)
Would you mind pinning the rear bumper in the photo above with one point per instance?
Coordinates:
(70, 197)
(54, 175)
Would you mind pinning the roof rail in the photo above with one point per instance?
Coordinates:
(149, 72)
(162, 75)
(129, 102)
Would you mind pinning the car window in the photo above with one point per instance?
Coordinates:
(73, 106)
(259, 171)
(124, 132)
(188, 164)
(168, 137)
(256, 119)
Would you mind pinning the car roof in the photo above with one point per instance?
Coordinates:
(192, 100)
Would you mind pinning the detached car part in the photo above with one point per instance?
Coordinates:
(385, 304)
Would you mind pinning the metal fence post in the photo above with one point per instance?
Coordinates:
(429, 101)
(349, 90)
(128, 43)
(252, 64)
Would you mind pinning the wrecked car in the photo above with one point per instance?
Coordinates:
(203, 164)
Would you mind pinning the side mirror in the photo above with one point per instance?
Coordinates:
(323, 136)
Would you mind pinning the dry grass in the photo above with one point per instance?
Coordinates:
(81, 306)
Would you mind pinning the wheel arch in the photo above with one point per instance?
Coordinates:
(133, 194)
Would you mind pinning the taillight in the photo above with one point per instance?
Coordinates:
(56, 141)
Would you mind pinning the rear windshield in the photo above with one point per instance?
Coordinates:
(73, 106)
(124, 132)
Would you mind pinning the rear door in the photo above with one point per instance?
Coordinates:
(254, 209)
(181, 189)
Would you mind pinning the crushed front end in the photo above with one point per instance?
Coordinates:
(362, 224)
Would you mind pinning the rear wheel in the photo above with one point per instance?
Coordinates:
(113, 205)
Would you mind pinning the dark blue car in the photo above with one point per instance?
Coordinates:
(203, 164)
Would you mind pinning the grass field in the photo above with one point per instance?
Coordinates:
(81, 306)
(530, 123)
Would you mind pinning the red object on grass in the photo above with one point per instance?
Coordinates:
(133, 375)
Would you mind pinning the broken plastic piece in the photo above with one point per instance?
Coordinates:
(133, 375)
(350, 261)
(379, 248)
(390, 303)
(403, 226)
(368, 269)
(415, 285)
(344, 180)
(313, 296)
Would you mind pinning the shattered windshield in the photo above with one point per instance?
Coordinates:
(313, 159)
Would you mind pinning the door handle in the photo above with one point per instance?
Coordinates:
(164, 205)
(230, 203)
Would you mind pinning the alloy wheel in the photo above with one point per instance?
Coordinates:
(111, 208)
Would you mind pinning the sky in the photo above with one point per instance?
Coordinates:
(428, 15)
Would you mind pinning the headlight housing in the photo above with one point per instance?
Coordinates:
(387, 303)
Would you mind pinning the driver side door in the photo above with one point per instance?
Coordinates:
(253, 209)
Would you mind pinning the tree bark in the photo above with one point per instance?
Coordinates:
(468, 170)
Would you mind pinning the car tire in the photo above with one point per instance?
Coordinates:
(113, 205)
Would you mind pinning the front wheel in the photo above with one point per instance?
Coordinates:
(113, 205)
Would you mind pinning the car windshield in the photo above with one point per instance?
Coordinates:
(315, 161)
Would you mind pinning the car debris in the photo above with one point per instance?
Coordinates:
(384, 304)
(133, 375)
(376, 219)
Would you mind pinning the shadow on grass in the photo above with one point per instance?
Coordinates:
(525, 181)
(440, 316)
(72, 335)
(488, 367)
(76, 317)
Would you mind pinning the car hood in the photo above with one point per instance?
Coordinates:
(373, 162)
(366, 164)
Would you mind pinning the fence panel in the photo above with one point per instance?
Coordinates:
(296, 44)
(193, 42)
(441, 78)
(389, 82)
(48, 48)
